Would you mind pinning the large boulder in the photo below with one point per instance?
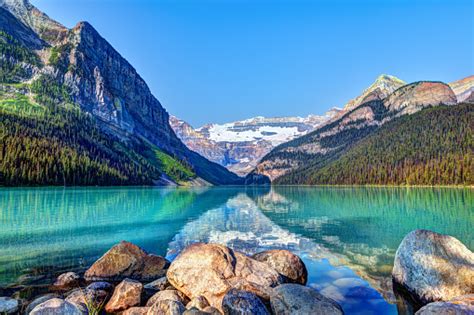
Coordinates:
(211, 270)
(56, 307)
(126, 260)
(166, 307)
(126, 294)
(296, 299)
(463, 305)
(433, 267)
(286, 263)
(8, 305)
(238, 302)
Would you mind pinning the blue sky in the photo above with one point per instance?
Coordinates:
(218, 61)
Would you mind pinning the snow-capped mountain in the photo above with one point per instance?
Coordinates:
(239, 145)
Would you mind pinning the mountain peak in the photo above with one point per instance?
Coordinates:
(381, 88)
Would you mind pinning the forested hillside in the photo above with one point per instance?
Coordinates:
(432, 147)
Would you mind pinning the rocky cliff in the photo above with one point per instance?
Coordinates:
(80, 67)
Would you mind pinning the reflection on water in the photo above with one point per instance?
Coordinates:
(346, 236)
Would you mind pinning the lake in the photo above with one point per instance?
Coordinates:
(346, 236)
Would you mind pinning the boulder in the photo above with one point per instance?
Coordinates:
(56, 306)
(166, 307)
(126, 294)
(100, 285)
(157, 285)
(286, 263)
(211, 310)
(198, 302)
(211, 270)
(67, 280)
(8, 305)
(295, 299)
(194, 311)
(126, 260)
(136, 311)
(238, 302)
(462, 305)
(433, 267)
(87, 298)
(173, 295)
(38, 301)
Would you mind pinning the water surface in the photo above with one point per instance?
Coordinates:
(346, 236)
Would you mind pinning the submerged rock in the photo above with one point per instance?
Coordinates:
(433, 267)
(211, 270)
(463, 305)
(126, 260)
(286, 263)
(126, 294)
(168, 307)
(8, 305)
(295, 299)
(56, 307)
(67, 280)
(238, 302)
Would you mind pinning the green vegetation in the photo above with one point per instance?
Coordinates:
(49, 91)
(431, 147)
(59, 57)
(174, 168)
(13, 55)
(20, 104)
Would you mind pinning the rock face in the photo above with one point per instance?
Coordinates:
(126, 294)
(295, 299)
(56, 307)
(238, 302)
(464, 89)
(211, 270)
(415, 96)
(126, 260)
(286, 263)
(8, 305)
(463, 305)
(433, 267)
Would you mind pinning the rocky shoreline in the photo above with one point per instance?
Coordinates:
(433, 270)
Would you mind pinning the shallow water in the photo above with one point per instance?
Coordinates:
(346, 236)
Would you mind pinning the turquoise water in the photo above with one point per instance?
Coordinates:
(346, 236)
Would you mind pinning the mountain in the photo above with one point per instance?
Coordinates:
(464, 89)
(241, 144)
(52, 76)
(294, 162)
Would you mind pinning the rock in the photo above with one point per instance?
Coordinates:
(39, 300)
(296, 299)
(166, 307)
(56, 306)
(173, 295)
(8, 305)
(67, 280)
(136, 311)
(211, 310)
(211, 270)
(126, 260)
(198, 302)
(238, 302)
(100, 285)
(286, 263)
(462, 305)
(87, 298)
(157, 285)
(194, 311)
(126, 294)
(433, 267)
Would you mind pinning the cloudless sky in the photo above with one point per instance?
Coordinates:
(219, 61)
